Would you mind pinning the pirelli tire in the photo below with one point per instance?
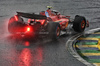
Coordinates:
(54, 30)
(79, 23)
(14, 25)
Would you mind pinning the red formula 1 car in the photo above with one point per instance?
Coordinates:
(52, 26)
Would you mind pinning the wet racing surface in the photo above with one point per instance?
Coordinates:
(19, 51)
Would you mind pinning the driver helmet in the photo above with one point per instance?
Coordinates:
(49, 7)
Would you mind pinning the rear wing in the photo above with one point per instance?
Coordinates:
(31, 16)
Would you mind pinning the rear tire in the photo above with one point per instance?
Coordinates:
(54, 30)
(79, 23)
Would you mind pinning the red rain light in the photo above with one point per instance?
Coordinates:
(16, 18)
(28, 29)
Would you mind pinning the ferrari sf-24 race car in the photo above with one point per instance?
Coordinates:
(52, 26)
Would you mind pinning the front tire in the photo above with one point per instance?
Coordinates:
(79, 23)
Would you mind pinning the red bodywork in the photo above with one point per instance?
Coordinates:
(62, 20)
(39, 20)
(39, 23)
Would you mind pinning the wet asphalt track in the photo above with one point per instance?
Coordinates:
(19, 51)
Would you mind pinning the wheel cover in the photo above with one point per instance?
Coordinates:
(83, 24)
(58, 31)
